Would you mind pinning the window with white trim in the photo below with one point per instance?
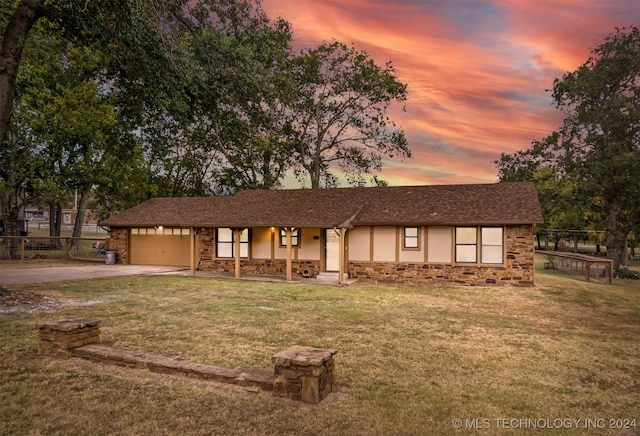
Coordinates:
(226, 244)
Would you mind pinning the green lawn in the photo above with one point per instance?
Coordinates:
(411, 359)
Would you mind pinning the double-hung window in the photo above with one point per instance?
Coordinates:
(411, 238)
(492, 245)
(487, 243)
(466, 244)
(226, 243)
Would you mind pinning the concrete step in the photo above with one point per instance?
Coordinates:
(330, 277)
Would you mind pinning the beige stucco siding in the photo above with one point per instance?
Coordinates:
(310, 248)
(384, 244)
(411, 255)
(261, 243)
(359, 248)
(439, 244)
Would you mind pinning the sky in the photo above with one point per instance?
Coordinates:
(477, 70)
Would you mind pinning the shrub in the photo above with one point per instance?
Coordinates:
(626, 273)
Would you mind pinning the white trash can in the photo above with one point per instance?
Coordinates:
(111, 257)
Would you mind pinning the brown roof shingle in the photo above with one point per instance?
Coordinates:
(498, 203)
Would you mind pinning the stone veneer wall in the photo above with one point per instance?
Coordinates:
(266, 267)
(118, 243)
(518, 267)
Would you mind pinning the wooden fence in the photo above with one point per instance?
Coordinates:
(30, 248)
(595, 269)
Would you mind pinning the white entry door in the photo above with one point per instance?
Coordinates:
(331, 250)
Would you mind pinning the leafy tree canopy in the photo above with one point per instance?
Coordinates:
(338, 113)
(598, 145)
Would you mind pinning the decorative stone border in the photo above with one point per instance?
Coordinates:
(301, 373)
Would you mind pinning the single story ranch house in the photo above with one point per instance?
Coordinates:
(448, 234)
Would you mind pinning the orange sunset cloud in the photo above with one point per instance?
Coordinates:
(476, 70)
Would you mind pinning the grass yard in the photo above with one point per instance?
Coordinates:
(411, 359)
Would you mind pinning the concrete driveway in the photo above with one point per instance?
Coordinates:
(13, 276)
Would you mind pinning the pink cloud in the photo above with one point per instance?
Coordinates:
(476, 70)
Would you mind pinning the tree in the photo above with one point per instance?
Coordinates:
(130, 29)
(129, 32)
(186, 64)
(66, 120)
(15, 177)
(14, 32)
(225, 132)
(598, 144)
(338, 114)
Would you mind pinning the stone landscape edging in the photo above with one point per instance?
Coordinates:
(301, 373)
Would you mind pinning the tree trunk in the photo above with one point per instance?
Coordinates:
(617, 249)
(10, 213)
(314, 175)
(11, 201)
(55, 223)
(616, 242)
(26, 13)
(77, 226)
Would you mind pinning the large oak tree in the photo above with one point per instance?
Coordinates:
(338, 114)
(598, 145)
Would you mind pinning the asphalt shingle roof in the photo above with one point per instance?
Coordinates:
(481, 204)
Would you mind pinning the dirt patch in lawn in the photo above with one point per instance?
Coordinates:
(12, 301)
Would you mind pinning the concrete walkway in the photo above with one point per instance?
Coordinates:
(13, 276)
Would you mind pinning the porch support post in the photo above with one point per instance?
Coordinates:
(341, 245)
(236, 236)
(192, 251)
(288, 231)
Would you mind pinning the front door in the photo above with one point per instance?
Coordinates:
(331, 250)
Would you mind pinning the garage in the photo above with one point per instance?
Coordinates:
(160, 246)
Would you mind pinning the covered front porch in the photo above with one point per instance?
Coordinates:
(286, 252)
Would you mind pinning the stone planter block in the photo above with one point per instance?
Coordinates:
(304, 373)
